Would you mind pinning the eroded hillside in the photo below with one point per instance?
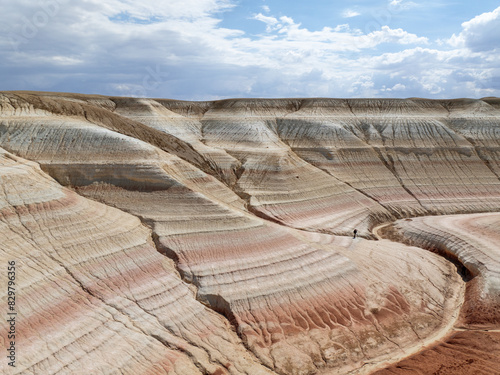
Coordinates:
(160, 236)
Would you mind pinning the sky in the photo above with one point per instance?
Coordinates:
(217, 49)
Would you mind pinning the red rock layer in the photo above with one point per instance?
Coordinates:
(299, 303)
(92, 293)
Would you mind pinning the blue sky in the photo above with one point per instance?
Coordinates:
(215, 49)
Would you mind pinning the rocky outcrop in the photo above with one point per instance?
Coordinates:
(222, 238)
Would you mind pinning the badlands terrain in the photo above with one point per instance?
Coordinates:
(172, 237)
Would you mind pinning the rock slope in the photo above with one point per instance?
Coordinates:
(474, 241)
(473, 347)
(220, 243)
(94, 295)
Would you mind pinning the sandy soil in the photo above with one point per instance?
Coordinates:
(463, 349)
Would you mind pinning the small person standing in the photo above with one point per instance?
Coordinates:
(355, 233)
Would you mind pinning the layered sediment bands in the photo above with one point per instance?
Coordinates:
(301, 303)
(241, 198)
(100, 111)
(77, 152)
(412, 157)
(153, 114)
(403, 154)
(438, 167)
(473, 240)
(276, 180)
(257, 165)
(370, 160)
(92, 293)
(484, 134)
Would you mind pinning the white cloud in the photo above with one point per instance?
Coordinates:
(396, 87)
(388, 35)
(341, 38)
(179, 49)
(271, 22)
(480, 33)
(402, 4)
(363, 86)
(288, 20)
(265, 8)
(66, 60)
(349, 13)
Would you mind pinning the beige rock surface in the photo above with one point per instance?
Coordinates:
(473, 345)
(240, 198)
(92, 293)
(475, 241)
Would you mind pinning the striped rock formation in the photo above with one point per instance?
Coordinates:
(92, 293)
(473, 346)
(234, 268)
(409, 156)
(299, 303)
(474, 241)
